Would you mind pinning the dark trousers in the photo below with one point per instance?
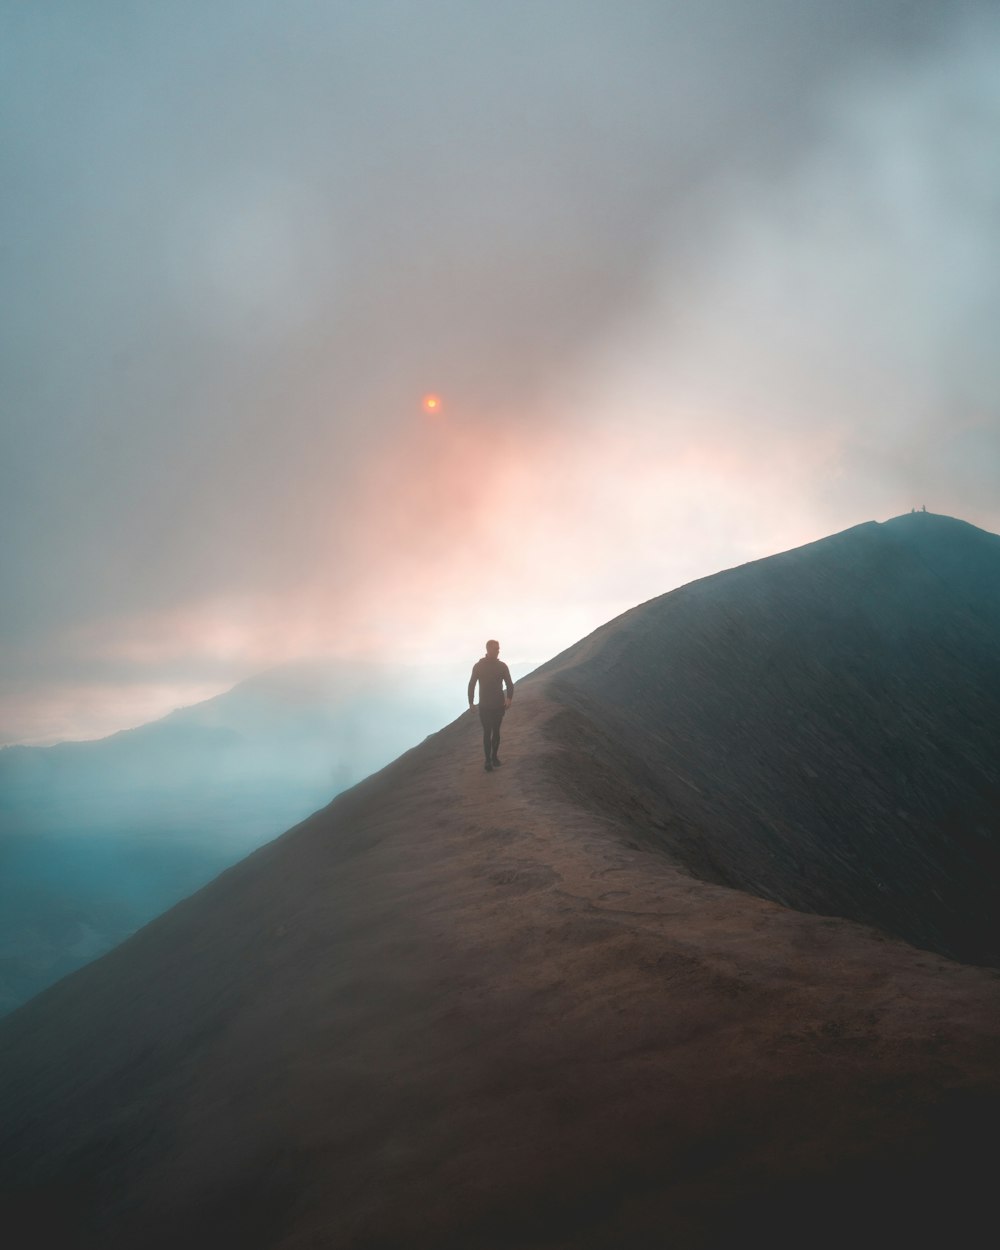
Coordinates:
(490, 718)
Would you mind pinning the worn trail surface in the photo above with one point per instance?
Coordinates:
(460, 1009)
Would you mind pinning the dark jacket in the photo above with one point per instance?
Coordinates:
(493, 676)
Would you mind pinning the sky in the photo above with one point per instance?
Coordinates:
(695, 283)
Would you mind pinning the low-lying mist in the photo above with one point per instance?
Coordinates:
(97, 838)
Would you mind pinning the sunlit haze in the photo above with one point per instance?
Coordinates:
(372, 331)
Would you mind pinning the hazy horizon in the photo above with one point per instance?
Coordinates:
(441, 682)
(694, 285)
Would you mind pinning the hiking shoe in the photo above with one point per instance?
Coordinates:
(496, 762)
(488, 766)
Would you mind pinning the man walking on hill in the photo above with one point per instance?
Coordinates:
(494, 679)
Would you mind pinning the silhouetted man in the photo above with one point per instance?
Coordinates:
(494, 679)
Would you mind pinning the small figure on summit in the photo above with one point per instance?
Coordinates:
(494, 679)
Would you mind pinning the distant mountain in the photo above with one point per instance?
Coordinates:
(560, 1004)
(97, 838)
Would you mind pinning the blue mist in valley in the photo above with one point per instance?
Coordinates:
(97, 838)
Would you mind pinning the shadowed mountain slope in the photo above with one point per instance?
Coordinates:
(465, 1010)
(821, 728)
(97, 838)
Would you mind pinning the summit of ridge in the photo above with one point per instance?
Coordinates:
(820, 728)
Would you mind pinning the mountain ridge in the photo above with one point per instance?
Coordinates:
(460, 1010)
(757, 687)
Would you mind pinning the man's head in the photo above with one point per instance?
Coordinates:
(492, 648)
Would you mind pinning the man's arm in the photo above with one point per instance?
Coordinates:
(472, 684)
(508, 684)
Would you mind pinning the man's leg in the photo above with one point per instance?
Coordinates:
(495, 736)
(486, 720)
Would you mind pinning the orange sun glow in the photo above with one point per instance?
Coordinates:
(431, 403)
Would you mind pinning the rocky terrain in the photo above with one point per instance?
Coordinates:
(604, 997)
(821, 729)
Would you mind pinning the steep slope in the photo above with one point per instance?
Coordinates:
(97, 838)
(821, 728)
(466, 1010)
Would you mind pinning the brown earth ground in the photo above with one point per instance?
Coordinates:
(461, 1010)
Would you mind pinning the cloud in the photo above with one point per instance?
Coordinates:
(666, 264)
(845, 318)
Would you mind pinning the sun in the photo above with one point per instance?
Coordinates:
(431, 403)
